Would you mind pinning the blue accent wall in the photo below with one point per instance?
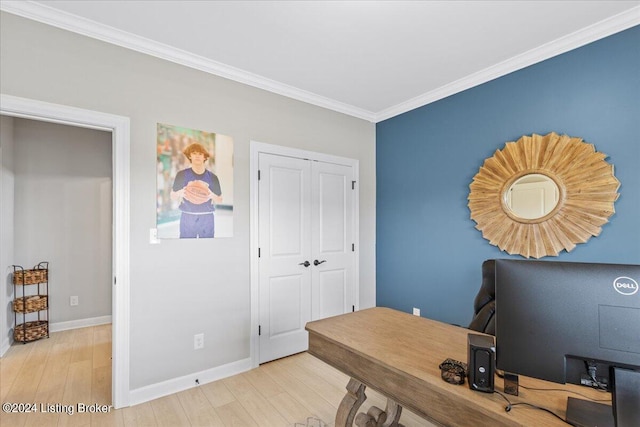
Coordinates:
(429, 254)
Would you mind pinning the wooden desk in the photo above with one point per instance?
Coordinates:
(398, 355)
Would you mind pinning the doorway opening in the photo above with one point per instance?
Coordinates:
(62, 215)
(119, 127)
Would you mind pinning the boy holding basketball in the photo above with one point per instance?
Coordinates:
(199, 190)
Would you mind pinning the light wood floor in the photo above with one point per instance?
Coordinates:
(75, 366)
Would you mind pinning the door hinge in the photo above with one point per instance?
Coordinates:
(115, 281)
(259, 330)
(258, 252)
(353, 185)
(258, 174)
(353, 308)
(353, 247)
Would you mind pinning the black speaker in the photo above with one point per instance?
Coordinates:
(481, 362)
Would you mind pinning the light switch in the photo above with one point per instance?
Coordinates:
(153, 236)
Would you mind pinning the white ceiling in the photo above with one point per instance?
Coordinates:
(369, 59)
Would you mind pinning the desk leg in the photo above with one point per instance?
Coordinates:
(375, 417)
(350, 403)
(393, 411)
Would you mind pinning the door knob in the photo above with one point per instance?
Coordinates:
(316, 262)
(306, 263)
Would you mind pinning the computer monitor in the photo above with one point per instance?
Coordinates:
(570, 322)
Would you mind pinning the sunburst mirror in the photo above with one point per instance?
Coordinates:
(543, 194)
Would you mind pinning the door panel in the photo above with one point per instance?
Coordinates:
(285, 243)
(286, 211)
(285, 296)
(332, 288)
(332, 209)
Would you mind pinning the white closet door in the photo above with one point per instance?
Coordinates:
(332, 237)
(306, 264)
(285, 244)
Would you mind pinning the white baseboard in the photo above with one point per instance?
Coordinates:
(63, 326)
(80, 323)
(4, 346)
(175, 385)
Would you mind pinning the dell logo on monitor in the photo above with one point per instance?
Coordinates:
(625, 285)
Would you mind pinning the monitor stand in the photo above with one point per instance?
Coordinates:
(626, 397)
(585, 413)
(626, 404)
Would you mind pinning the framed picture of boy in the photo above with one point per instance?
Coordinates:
(194, 183)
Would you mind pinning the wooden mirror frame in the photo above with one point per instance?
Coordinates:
(586, 183)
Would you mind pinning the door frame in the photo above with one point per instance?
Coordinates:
(119, 127)
(260, 147)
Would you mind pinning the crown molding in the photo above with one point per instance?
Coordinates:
(86, 27)
(89, 28)
(597, 31)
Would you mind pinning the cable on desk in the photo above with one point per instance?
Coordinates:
(500, 374)
(511, 405)
(568, 391)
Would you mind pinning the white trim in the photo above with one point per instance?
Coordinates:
(280, 150)
(260, 147)
(54, 17)
(176, 385)
(86, 27)
(80, 323)
(65, 326)
(597, 31)
(254, 339)
(356, 234)
(6, 344)
(119, 126)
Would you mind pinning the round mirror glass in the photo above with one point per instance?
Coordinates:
(532, 196)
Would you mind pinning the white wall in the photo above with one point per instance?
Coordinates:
(6, 231)
(63, 214)
(179, 287)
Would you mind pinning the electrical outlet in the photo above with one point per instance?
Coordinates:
(73, 300)
(198, 341)
(416, 311)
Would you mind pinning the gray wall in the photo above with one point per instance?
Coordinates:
(63, 213)
(179, 288)
(7, 182)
